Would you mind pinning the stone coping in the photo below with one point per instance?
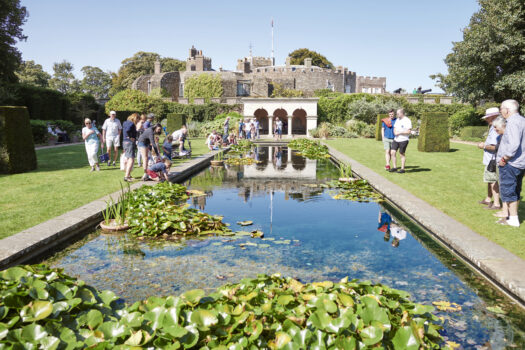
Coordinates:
(502, 268)
(43, 238)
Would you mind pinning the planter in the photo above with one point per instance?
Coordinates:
(113, 226)
(52, 142)
(347, 179)
(217, 162)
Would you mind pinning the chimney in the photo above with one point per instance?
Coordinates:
(288, 61)
(308, 62)
(157, 67)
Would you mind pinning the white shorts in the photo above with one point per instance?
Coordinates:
(113, 141)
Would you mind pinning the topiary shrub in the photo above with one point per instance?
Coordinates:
(379, 126)
(175, 122)
(470, 133)
(465, 117)
(17, 150)
(39, 131)
(433, 133)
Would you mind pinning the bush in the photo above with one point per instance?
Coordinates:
(202, 113)
(367, 111)
(41, 103)
(462, 118)
(39, 131)
(67, 126)
(470, 133)
(419, 109)
(17, 149)
(204, 86)
(379, 126)
(136, 101)
(331, 130)
(175, 122)
(361, 128)
(433, 133)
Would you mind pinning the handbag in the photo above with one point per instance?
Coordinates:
(103, 158)
(492, 166)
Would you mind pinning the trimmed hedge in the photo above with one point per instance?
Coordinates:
(41, 103)
(379, 125)
(175, 122)
(39, 131)
(433, 133)
(202, 113)
(17, 150)
(473, 132)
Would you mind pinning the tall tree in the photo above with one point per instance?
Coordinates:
(96, 82)
(490, 61)
(298, 56)
(32, 73)
(12, 17)
(63, 78)
(142, 63)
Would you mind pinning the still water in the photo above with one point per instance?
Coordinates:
(308, 235)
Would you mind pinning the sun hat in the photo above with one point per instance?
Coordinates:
(491, 112)
(112, 113)
(151, 116)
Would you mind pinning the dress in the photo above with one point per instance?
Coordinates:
(92, 144)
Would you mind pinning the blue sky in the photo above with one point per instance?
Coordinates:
(404, 40)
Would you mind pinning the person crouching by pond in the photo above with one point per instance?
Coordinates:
(159, 171)
(489, 152)
(146, 140)
(387, 133)
(91, 137)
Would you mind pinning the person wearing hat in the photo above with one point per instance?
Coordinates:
(149, 120)
(489, 150)
(111, 130)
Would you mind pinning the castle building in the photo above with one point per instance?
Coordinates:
(257, 76)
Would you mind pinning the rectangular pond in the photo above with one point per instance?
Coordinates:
(308, 235)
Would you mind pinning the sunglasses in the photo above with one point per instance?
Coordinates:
(88, 123)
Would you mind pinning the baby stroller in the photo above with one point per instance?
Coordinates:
(186, 153)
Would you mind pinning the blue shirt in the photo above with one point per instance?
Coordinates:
(512, 143)
(91, 139)
(492, 140)
(129, 130)
(158, 167)
(167, 148)
(389, 132)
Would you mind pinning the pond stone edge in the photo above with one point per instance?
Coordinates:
(500, 267)
(41, 239)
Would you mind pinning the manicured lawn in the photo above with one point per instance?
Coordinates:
(452, 182)
(61, 183)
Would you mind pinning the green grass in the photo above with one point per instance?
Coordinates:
(62, 182)
(451, 182)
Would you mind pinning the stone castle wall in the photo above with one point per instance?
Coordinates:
(371, 84)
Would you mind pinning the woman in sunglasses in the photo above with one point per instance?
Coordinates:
(91, 137)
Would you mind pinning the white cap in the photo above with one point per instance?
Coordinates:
(112, 113)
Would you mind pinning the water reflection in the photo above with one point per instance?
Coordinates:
(390, 228)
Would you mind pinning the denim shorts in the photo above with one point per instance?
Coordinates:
(129, 149)
(141, 145)
(510, 179)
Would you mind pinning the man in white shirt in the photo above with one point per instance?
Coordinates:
(179, 136)
(111, 135)
(402, 129)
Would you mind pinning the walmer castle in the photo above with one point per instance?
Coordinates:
(256, 76)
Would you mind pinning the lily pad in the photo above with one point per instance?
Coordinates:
(245, 223)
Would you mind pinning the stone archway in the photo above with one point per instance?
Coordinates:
(282, 114)
(262, 116)
(299, 122)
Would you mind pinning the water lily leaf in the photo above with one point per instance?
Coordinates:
(191, 338)
(263, 246)
(94, 318)
(107, 297)
(155, 316)
(281, 339)
(257, 234)
(4, 310)
(496, 309)
(49, 343)
(112, 330)
(326, 304)
(371, 335)
(204, 319)
(405, 339)
(134, 339)
(285, 299)
(296, 286)
(193, 296)
(217, 243)
(243, 233)
(36, 311)
(320, 319)
(176, 331)
(33, 332)
(38, 290)
(345, 299)
(14, 273)
(325, 284)
(452, 344)
(245, 223)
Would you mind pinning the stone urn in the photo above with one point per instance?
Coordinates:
(112, 226)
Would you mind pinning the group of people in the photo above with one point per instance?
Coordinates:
(140, 139)
(390, 228)
(395, 131)
(504, 161)
(248, 129)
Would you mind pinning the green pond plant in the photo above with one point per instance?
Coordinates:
(358, 190)
(311, 149)
(43, 308)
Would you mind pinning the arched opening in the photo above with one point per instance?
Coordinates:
(283, 116)
(262, 117)
(299, 122)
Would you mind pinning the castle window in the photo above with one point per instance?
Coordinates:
(293, 69)
(192, 67)
(243, 88)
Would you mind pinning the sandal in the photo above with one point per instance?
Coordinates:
(493, 207)
(501, 215)
(484, 202)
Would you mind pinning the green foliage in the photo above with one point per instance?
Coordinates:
(367, 110)
(175, 122)
(39, 131)
(44, 308)
(465, 117)
(379, 126)
(418, 109)
(489, 63)
(433, 133)
(331, 130)
(136, 100)
(17, 150)
(159, 93)
(357, 191)
(280, 91)
(203, 86)
(202, 113)
(31, 73)
(63, 79)
(309, 148)
(96, 82)
(12, 17)
(218, 123)
(298, 56)
(83, 106)
(361, 128)
(42, 103)
(473, 133)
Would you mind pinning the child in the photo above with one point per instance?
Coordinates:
(167, 147)
(159, 171)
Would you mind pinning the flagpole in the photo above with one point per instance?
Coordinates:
(273, 57)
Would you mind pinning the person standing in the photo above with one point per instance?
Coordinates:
(146, 140)
(279, 128)
(129, 138)
(91, 137)
(248, 129)
(402, 128)
(257, 127)
(149, 121)
(489, 148)
(111, 135)
(140, 130)
(226, 127)
(511, 160)
(241, 129)
(387, 135)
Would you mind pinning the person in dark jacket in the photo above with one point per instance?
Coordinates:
(129, 133)
(148, 139)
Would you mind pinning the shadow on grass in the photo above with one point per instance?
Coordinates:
(415, 169)
(453, 150)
